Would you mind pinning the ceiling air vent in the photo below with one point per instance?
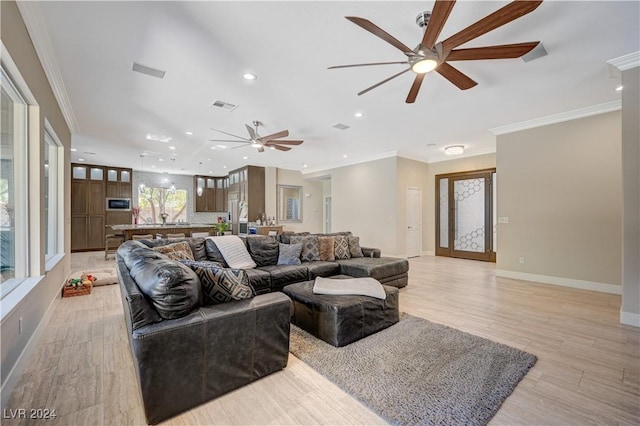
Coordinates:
(147, 70)
(224, 105)
(340, 126)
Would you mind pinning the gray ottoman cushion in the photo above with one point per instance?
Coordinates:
(340, 320)
(381, 268)
(282, 275)
(321, 268)
(259, 280)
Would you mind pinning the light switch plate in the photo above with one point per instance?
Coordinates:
(503, 219)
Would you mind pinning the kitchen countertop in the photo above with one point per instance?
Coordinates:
(130, 226)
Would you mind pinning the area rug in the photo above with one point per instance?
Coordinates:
(420, 373)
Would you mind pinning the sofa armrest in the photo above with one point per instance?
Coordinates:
(184, 362)
(370, 252)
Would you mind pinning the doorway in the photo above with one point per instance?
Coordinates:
(414, 222)
(465, 215)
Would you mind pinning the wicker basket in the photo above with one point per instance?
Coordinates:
(81, 290)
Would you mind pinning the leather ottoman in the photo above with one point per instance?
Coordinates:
(340, 320)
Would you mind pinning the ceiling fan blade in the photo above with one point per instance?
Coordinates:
(382, 82)
(230, 134)
(365, 65)
(241, 146)
(505, 51)
(454, 76)
(377, 31)
(280, 134)
(439, 15)
(252, 133)
(502, 16)
(283, 142)
(280, 148)
(415, 88)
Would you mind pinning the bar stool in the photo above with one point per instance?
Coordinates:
(176, 236)
(111, 238)
(142, 237)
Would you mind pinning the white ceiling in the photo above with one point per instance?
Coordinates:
(206, 47)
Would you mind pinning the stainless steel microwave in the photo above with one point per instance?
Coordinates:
(118, 204)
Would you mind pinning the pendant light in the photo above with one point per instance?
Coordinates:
(141, 186)
(172, 188)
(199, 188)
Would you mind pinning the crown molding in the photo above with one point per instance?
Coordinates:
(559, 118)
(37, 29)
(360, 160)
(626, 62)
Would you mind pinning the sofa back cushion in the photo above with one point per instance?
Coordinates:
(176, 251)
(285, 237)
(263, 249)
(173, 288)
(196, 244)
(221, 285)
(213, 253)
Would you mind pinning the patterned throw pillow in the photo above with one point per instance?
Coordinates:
(289, 254)
(354, 247)
(341, 247)
(176, 251)
(310, 247)
(327, 250)
(221, 285)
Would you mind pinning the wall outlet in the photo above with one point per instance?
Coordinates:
(521, 260)
(503, 219)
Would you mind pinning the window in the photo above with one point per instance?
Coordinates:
(53, 190)
(156, 201)
(13, 186)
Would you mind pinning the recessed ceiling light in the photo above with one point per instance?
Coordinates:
(344, 156)
(454, 150)
(245, 158)
(249, 76)
(305, 165)
(210, 172)
(172, 147)
(619, 88)
(159, 138)
(188, 133)
(160, 159)
(224, 167)
(153, 167)
(73, 150)
(221, 146)
(80, 159)
(359, 114)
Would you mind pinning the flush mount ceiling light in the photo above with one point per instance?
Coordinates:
(188, 133)
(359, 115)
(454, 150)
(249, 76)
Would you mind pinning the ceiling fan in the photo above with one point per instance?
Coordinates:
(431, 56)
(261, 142)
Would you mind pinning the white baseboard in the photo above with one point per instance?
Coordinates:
(429, 253)
(630, 318)
(565, 282)
(16, 372)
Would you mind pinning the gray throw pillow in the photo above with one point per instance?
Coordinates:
(221, 285)
(341, 247)
(289, 254)
(310, 247)
(354, 247)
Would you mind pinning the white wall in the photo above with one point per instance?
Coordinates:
(560, 185)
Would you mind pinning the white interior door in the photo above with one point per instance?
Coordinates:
(327, 214)
(414, 222)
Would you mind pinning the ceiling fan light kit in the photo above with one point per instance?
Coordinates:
(431, 56)
(454, 150)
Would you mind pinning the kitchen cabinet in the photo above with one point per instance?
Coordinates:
(210, 193)
(88, 193)
(246, 185)
(118, 183)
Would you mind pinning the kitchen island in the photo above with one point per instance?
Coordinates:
(160, 230)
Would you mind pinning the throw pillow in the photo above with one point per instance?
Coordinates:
(289, 254)
(222, 285)
(234, 252)
(341, 247)
(176, 251)
(354, 247)
(310, 247)
(263, 249)
(327, 250)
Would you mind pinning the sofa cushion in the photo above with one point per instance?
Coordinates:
(259, 280)
(176, 251)
(310, 247)
(263, 249)
(289, 254)
(285, 237)
(380, 268)
(221, 285)
(321, 268)
(354, 247)
(196, 244)
(327, 249)
(341, 247)
(282, 275)
(174, 289)
(213, 253)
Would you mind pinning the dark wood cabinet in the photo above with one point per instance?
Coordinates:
(246, 185)
(90, 186)
(210, 193)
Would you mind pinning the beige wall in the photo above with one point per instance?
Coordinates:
(560, 187)
(478, 162)
(631, 199)
(312, 191)
(37, 303)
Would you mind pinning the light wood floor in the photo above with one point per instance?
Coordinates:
(588, 370)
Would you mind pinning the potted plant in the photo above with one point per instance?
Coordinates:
(221, 227)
